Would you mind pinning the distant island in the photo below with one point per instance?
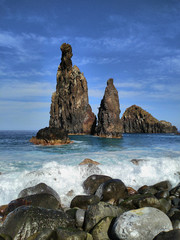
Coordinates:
(71, 112)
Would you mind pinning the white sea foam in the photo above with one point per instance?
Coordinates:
(64, 178)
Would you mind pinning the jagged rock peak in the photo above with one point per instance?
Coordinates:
(137, 120)
(109, 124)
(66, 62)
(70, 108)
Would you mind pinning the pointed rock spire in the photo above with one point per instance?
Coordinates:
(109, 124)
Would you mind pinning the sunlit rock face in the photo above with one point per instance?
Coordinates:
(109, 124)
(70, 108)
(137, 120)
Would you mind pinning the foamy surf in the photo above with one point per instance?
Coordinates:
(67, 180)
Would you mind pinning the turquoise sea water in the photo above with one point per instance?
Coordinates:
(23, 164)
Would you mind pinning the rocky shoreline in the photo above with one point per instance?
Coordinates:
(107, 210)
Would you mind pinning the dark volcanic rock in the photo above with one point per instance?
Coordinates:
(92, 183)
(109, 124)
(112, 190)
(38, 189)
(70, 109)
(26, 221)
(137, 120)
(82, 201)
(170, 235)
(51, 136)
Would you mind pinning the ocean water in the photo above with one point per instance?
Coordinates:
(23, 164)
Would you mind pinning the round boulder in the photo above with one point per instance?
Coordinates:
(141, 224)
(92, 183)
(37, 189)
(112, 190)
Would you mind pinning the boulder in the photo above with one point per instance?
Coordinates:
(27, 220)
(37, 189)
(83, 201)
(92, 183)
(100, 231)
(51, 136)
(89, 161)
(137, 120)
(70, 109)
(141, 224)
(112, 190)
(170, 235)
(43, 200)
(97, 212)
(109, 124)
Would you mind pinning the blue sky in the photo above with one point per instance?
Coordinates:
(136, 42)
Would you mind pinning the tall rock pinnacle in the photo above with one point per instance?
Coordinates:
(109, 124)
(70, 108)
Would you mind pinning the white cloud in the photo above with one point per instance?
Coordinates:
(17, 90)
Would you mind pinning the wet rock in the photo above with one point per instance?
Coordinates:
(72, 234)
(145, 200)
(37, 189)
(162, 194)
(109, 124)
(162, 186)
(89, 161)
(97, 212)
(46, 234)
(51, 136)
(175, 191)
(27, 220)
(112, 190)
(43, 200)
(141, 224)
(131, 191)
(175, 219)
(80, 215)
(147, 189)
(82, 201)
(176, 202)
(137, 120)
(172, 211)
(100, 231)
(170, 235)
(92, 183)
(70, 109)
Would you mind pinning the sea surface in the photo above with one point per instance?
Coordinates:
(23, 164)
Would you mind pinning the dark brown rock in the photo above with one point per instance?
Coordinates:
(170, 235)
(137, 120)
(51, 136)
(83, 201)
(92, 183)
(27, 220)
(38, 189)
(112, 190)
(109, 124)
(70, 109)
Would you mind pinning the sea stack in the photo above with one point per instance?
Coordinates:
(137, 120)
(109, 123)
(70, 109)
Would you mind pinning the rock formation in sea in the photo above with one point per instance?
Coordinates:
(70, 108)
(109, 124)
(137, 120)
(51, 136)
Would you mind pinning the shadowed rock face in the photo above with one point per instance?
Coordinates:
(109, 124)
(137, 120)
(70, 109)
